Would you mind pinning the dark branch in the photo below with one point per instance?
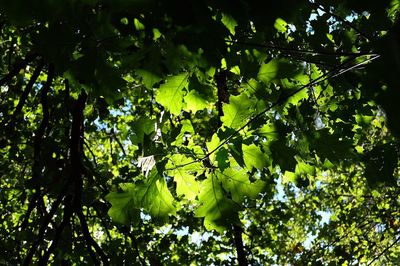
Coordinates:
(133, 239)
(43, 228)
(89, 240)
(241, 253)
(43, 124)
(344, 21)
(91, 152)
(223, 93)
(119, 144)
(66, 220)
(299, 51)
(384, 251)
(36, 168)
(17, 68)
(28, 88)
(221, 79)
(340, 69)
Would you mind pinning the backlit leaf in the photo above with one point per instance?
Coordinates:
(152, 195)
(218, 210)
(170, 94)
(253, 156)
(276, 69)
(237, 111)
(237, 182)
(184, 177)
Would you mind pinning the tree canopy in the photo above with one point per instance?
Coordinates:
(199, 132)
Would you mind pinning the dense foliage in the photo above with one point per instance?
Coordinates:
(199, 132)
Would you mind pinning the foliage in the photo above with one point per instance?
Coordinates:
(203, 133)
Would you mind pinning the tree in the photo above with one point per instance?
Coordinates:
(202, 133)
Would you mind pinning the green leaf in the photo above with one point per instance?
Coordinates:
(289, 177)
(187, 128)
(138, 25)
(237, 182)
(148, 78)
(143, 126)
(152, 195)
(237, 111)
(195, 101)
(123, 209)
(219, 212)
(280, 25)
(253, 156)
(170, 94)
(269, 131)
(156, 198)
(305, 169)
(212, 145)
(124, 21)
(276, 69)
(221, 157)
(229, 22)
(184, 177)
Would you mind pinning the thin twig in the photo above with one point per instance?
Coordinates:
(17, 68)
(300, 51)
(344, 21)
(102, 221)
(90, 241)
(43, 228)
(385, 250)
(57, 237)
(28, 88)
(119, 144)
(91, 152)
(282, 100)
(133, 239)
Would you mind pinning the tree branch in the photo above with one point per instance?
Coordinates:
(240, 250)
(66, 220)
(299, 51)
(28, 88)
(43, 228)
(17, 68)
(338, 70)
(221, 79)
(385, 250)
(36, 168)
(89, 240)
(344, 21)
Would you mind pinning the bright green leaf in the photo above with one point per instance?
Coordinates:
(280, 25)
(152, 195)
(237, 111)
(237, 182)
(170, 94)
(253, 156)
(219, 212)
(276, 69)
(184, 177)
(148, 78)
(123, 209)
(195, 102)
(229, 22)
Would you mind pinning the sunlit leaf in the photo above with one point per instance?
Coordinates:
(276, 69)
(184, 171)
(253, 156)
(237, 111)
(170, 94)
(237, 182)
(229, 23)
(218, 210)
